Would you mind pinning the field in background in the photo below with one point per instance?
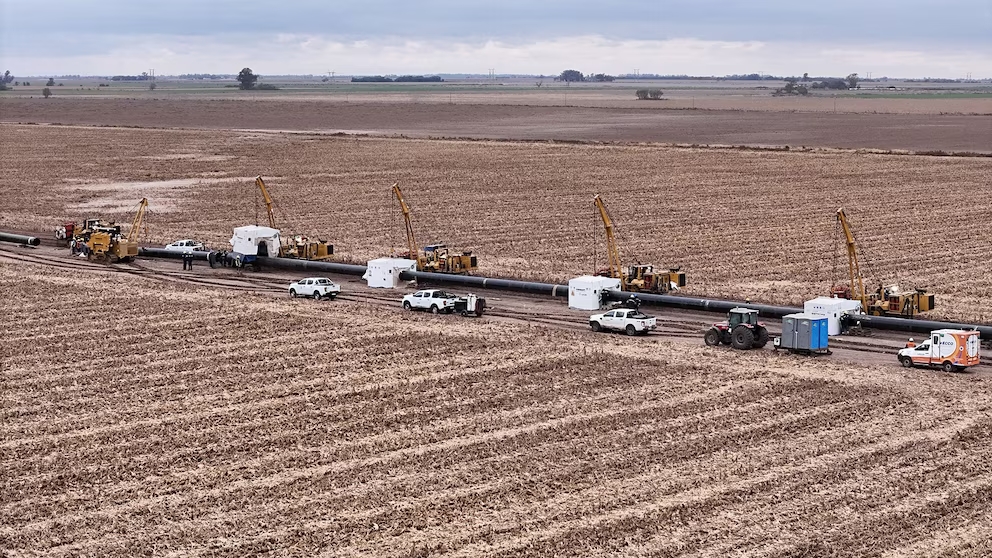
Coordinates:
(196, 422)
(743, 224)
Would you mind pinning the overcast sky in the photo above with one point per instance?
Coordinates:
(898, 38)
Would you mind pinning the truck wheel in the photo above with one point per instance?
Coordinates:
(906, 362)
(595, 326)
(742, 338)
(316, 295)
(631, 330)
(948, 366)
(712, 337)
(761, 339)
(406, 304)
(434, 309)
(292, 293)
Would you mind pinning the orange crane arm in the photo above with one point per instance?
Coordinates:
(268, 200)
(612, 250)
(411, 242)
(139, 219)
(857, 280)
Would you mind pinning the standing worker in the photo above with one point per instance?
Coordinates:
(910, 344)
(187, 261)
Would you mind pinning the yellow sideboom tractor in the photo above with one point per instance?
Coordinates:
(435, 258)
(103, 241)
(638, 277)
(294, 246)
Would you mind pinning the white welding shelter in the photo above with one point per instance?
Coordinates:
(586, 292)
(832, 309)
(384, 273)
(248, 239)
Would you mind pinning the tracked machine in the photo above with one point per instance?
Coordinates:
(294, 246)
(104, 241)
(638, 277)
(886, 300)
(435, 258)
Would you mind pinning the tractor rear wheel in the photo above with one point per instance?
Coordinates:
(712, 337)
(761, 337)
(742, 338)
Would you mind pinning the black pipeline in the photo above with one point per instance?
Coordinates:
(686, 303)
(20, 239)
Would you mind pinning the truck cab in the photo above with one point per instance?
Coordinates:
(951, 350)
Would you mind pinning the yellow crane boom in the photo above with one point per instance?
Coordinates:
(139, 219)
(612, 250)
(268, 200)
(857, 280)
(411, 242)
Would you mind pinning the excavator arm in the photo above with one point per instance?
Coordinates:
(612, 250)
(857, 280)
(268, 200)
(139, 219)
(411, 242)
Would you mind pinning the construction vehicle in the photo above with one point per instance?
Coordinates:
(637, 277)
(294, 246)
(886, 300)
(435, 258)
(104, 241)
(741, 330)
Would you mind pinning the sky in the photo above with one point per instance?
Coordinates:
(895, 38)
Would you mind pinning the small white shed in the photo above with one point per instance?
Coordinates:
(246, 241)
(585, 292)
(384, 273)
(832, 309)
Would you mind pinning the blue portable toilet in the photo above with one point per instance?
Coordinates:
(804, 333)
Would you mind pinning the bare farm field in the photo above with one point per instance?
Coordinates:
(717, 119)
(199, 422)
(742, 223)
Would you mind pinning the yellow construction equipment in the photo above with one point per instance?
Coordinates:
(294, 246)
(886, 300)
(637, 277)
(435, 257)
(105, 241)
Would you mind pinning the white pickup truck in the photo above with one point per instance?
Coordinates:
(632, 322)
(434, 300)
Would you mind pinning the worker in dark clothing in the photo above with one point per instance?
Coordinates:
(187, 261)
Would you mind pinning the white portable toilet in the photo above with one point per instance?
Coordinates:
(247, 239)
(585, 292)
(384, 273)
(833, 309)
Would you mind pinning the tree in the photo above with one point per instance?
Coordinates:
(571, 75)
(805, 76)
(51, 82)
(151, 86)
(46, 92)
(247, 79)
(852, 81)
(7, 78)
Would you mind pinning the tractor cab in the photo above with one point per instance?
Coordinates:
(738, 316)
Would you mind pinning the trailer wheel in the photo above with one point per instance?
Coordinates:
(464, 313)
(712, 337)
(631, 330)
(948, 366)
(595, 326)
(906, 362)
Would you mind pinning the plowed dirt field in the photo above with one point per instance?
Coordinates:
(742, 223)
(149, 418)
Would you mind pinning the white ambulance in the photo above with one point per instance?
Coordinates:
(951, 350)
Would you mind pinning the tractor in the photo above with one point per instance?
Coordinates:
(742, 330)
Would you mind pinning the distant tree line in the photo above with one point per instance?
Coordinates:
(205, 76)
(398, 79)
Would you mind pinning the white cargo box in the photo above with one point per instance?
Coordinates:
(247, 239)
(384, 273)
(585, 292)
(833, 309)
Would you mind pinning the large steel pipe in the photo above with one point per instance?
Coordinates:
(19, 239)
(687, 303)
(203, 255)
(307, 265)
